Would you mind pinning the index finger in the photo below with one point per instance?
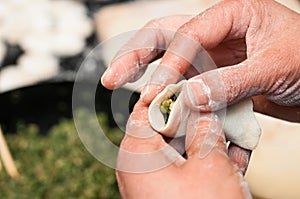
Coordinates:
(205, 31)
(145, 47)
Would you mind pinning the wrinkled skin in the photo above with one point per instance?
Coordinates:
(255, 44)
(212, 177)
(257, 41)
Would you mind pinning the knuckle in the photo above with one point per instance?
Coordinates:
(187, 30)
(154, 23)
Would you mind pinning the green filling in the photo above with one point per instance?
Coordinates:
(167, 105)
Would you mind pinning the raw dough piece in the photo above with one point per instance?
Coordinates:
(176, 124)
(240, 124)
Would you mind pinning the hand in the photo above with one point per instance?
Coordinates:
(166, 174)
(257, 41)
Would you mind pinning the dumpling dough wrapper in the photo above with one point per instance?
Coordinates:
(240, 125)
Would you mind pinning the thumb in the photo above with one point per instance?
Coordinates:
(216, 89)
(204, 135)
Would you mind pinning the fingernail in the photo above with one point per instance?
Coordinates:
(103, 77)
(111, 79)
(138, 129)
(197, 95)
(239, 156)
(144, 93)
(149, 92)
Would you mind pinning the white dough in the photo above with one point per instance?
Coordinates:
(240, 124)
(42, 26)
(31, 69)
(64, 44)
(9, 78)
(81, 26)
(12, 77)
(176, 124)
(37, 43)
(41, 65)
(45, 29)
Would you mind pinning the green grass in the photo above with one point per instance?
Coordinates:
(57, 165)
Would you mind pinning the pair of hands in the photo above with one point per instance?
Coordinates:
(258, 42)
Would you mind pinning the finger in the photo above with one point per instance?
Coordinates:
(168, 74)
(204, 135)
(202, 32)
(206, 150)
(142, 149)
(226, 54)
(229, 52)
(222, 55)
(213, 90)
(239, 156)
(145, 47)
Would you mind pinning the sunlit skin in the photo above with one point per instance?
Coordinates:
(255, 44)
(215, 176)
(256, 40)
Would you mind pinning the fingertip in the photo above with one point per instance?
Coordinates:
(116, 75)
(196, 95)
(144, 95)
(239, 156)
(207, 91)
(108, 81)
(145, 99)
(204, 135)
(104, 80)
(150, 91)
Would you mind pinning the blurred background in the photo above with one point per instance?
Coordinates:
(42, 45)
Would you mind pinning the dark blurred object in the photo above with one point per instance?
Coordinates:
(94, 5)
(43, 104)
(12, 54)
(46, 102)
